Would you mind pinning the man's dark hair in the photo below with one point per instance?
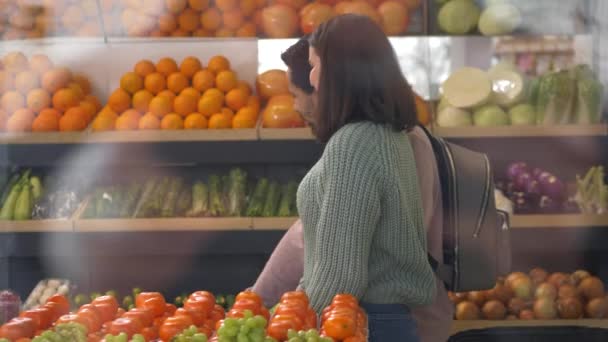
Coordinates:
(296, 59)
(360, 78)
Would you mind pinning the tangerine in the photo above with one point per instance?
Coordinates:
(219, 121)
(176, 6)
(83, 82)
(160, 106)
(195, 121)
(104, 123)
(211, 19)
(144, 68)
(184, 105)
(233, 19)
(168, 94)
(176, 82)
(203, 80)
(155, 83)
(20, 121)
(218, 63)
(226, 80)
(131, 82)
(119, 100)
(149, 121)
(209, 105)
(166, 66)
(38, 99)
(172, 121)
(55, 79)
(236, 99)
(26, 81)
(198, 5)
(40, 63)
(141, 101)
(189, 20)
(65, 99)
(226, 5)
(73, 120)
(167, 23)
(11, 101)
(191, 92)
(46, 122)
(243, 121)
(190, 66)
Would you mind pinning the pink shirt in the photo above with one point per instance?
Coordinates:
(284, 270)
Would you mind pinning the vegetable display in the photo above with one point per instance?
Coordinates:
(592, 194)
(460, 17)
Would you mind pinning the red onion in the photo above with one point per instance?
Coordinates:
(516, 169)
(522, 181)
(553, 188)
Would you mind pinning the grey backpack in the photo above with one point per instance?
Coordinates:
(476, 244)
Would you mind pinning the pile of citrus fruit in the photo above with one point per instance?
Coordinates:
(186, 18)
(169, 96)
(38, 96)
(279, 111)
(36, 19)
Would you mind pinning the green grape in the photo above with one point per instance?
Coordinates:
(95, 295)
(180, 338)
(260, 321)
(222, 330)
(325, 339)
(291, 333)
(224, 339)
(312, 333)
(269, 339)
(244, 329)
(242, 338)
(109, 338)
(127, 301)
(231, 322)
(295, 339)
(312, 339)
(122, 337)
(112, 293)
(138, 338)
(199, 337)
(136, 291)
(248, 314)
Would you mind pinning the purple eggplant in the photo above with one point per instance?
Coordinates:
(533, 190)
(536, 172)
(554, 188)
(522, 181)
(548, 205)
(516, 169)
(543, 176)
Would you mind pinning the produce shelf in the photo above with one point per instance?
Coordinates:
(43, 138)
(460, 326)
(559, 221)
(273, 223)
(163, 224)
(286, 134)
(36, 226)
(522, 131)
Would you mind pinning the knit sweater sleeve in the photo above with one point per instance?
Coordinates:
(350, 210)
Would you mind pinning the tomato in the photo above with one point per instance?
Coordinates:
(90, 311)
(94, 338)
(295, 295)
(128, 325)
(265, 313)
(311, 319)
(46, 317)
(247, 304)
(120, 312)
(69, 318)
(202, 304)
(172, 326)
(294, 309)
(205, 330)
(293, 319)
(150, 333)
(61, 300)
(34, 316)
(17, 328)
(339, 327)
(217, 313)
(218, 324)
(156, 304)
(278, 329)
(249, 295)
(234, 313)
(170, 308)
(55, 309)
(24, 339)
(145, 316)
(198, 317)
(107, 306)
(203, 294)
(344, 297)
(144, 296)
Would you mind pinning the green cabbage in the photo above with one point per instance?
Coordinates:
(454, 117)
(522, 114)
(499, 19)
(458, 16)
(490, 115)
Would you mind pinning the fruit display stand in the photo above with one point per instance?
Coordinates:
(460, 326)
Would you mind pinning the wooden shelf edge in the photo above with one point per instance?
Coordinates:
(461, 326)
(273, 223)
(522, 131)
(559, 221)
(163, 224)
(286, 134)
(36, 226)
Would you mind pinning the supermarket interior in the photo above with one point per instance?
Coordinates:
(151, 150)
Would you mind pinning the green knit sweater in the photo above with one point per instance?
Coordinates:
(363, 222)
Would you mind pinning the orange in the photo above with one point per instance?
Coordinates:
(160, 106)
(94, 100)
(224, 33)
(75, 87)
(189, 20)
(219, 121)
(65, 99)
(236, 99)
(51, 111)
(191, 92)
(214, 92)
(167, 23)
(248, 29)
(20, 121)
(228, 112)
(166, 66)
(241, 120)
(131, 82)
(176, 6)
(190, 66)
(172, 121)
(144, 68)
(119, 100)
(40, 64)
(248, 7)
(46, 122)
(211, 19)
(395, 17)
(249, 111)
(180, 33)
(218, 63)
(26, 81)
(107, 111)
(226, 5)
(209, 105)
(233, 19)
(141, 101)
(176, 82)
(127, 121)
(55, 79)
(89, 110)
(203, 80)
(155, 83)
(201, 32)
(11, 101)
(103, 123)
(198, 5)
(83, 82)
(38, 99)
(149, 121)
(226, 80)
(15, 61)
(195, 121)
(254, 102)
(7, 81)
(244, 86)
(73, 120)
(157, 33)
(184, 105)
(261, 3)
(168, 94)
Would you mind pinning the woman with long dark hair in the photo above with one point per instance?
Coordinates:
(360, 205)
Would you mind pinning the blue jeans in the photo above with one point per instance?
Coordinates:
(390, 323)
